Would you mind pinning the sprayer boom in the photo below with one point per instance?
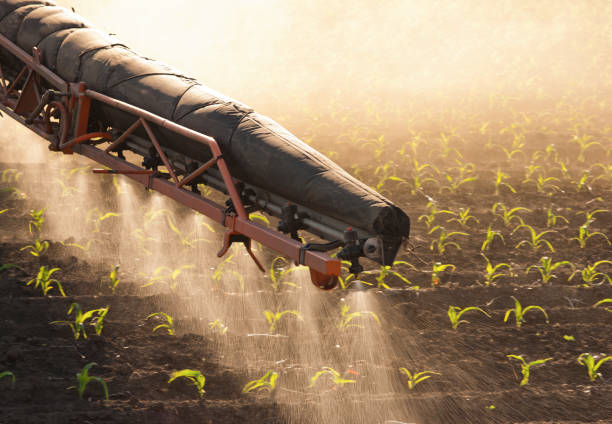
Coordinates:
(164, 120)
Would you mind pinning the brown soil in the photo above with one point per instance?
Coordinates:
(476, 381)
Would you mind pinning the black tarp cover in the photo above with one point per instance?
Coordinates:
(258, 150)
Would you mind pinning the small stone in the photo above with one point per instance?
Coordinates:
(13, 353)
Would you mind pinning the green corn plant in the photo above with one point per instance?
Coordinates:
(218, 326)
(499, 182)
(582, 182)
(385, 272)
(335, 376)
(584, 142)
(519, 312)
(113, 278)
(10, 176)
(83, 379)
(189, 240)
(588, 360)
(455, 313)
(492, 272)
(4, 267)
(508, 214)
(195, 376)
(167, 276)
(346, 317)
(590, 274)
(417, 377)
(3, 211)
(525, 366)
(431, 216)
(278, 272)
(94, 317)
(530, 171)
(10, 375)
(463, 218)
(36, 220)
(584, 235)
(590, 215)
(546, 267)
(45, 282)
(96, 217)
(446, 141)
(266, 383)
(79, 246)
(437, 268)
(168, 325)
(419, 178)
(490, 236)
(536, 240)
(442, 243)
(463, 168)
(37, 249)
(545, 184)
(274, 317)
(385, 173)
(603, 302)
(221, 272)
(453, 184)
(551, 218)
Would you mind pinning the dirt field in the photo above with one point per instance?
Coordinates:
(445, 166)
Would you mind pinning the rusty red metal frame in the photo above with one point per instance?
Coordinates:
(73, 122)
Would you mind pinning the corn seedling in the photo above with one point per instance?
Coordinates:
(437, 268)
(491, 234)
(453, 184)
(186, 241)
(113, 278)
(45, 282)
(431, 216)
(278, 273)
(588, 361)
(194, 376)
(274, 317)
(94, 316)
(3, 211)
(536, 240)
(519, 312)
(10, 176)
(584, 142)
(96, 217)
(455, 313)
(385, 271)
(603, 302)
(167, 276)
(83, 379)
(168, 325)
(36, 220)
(584, 235)
(590, 275)
(385, 173)
(499, 182)
(346, 317)
(218, 326)
(79, 246)
(4, 267)
(551, 218)
(37, 249)
(547, 267)
(419, 178)
(266, 383)
(221, 272)
(508, 215)
(492, 272)
(417, 377)
(525, 366)
(335, 376)
(9, 375)
(442, 243)
(463, 218)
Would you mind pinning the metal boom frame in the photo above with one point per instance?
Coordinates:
(61, 116)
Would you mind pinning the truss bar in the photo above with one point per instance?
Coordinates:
(30, 62)
(4, 90)
(195, 174)
(123, 136)
(289, 247)
(159, 150)
(17, 79)
(181, 130)
(85, 137)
